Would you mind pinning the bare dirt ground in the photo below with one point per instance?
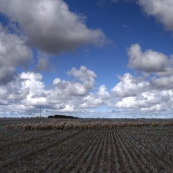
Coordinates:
(118, 150)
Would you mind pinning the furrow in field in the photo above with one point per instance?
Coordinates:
(30, 140)
(120, 167)
(128, 162)
(72, 160)
(93, 156)
(156, 162)
(160, 140)
(115, 164)
(34, 149)
(57, 156)
(150, 143)
(81, 160)
(96, 162)
(135, 153)
(102, 154)
(62, 153)
(142, 154)
(108, 152)
(17, 137)
(106, 157)
(15, 151)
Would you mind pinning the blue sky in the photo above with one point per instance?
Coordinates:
(102, 58)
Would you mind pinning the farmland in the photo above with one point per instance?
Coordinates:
(131, 148)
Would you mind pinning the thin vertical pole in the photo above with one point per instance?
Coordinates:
(40, 111)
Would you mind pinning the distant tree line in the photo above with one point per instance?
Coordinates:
(62, 116)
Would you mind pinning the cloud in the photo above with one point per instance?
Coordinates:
(82, 74)
(146, 101)
(99, 98)
(103, 93)
(18, 94)
(129, 86)
(85, 75)
(29, 92)
(3, 93)
(86, 79)
(130, 102)
(91, 101)
(131, 95)
(7, 74)
(70, 88)
(32, 81)
(157, 107)
(64, 95)
(37, 95)
(161, 10)
(149, 61)
(43, 64)
(67, 108)
(13, 53)
(11, 92)
(151, 97)
(50, 26)
(140, 94)
(165, 83)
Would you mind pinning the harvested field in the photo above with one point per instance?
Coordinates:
(121, 149)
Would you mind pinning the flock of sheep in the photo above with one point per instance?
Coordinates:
(68, 125)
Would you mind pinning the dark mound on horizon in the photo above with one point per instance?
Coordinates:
(62, 116)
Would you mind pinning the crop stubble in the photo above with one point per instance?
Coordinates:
(121, 150)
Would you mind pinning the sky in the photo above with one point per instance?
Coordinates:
(88, 59)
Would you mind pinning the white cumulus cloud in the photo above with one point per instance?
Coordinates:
(160, 9)
(103, 93)
(33, 82)
(86, 80)
(50, 26)
(149, 61)
(129, 86)
(90, 101)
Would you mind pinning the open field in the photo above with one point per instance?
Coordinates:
(139, 149)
